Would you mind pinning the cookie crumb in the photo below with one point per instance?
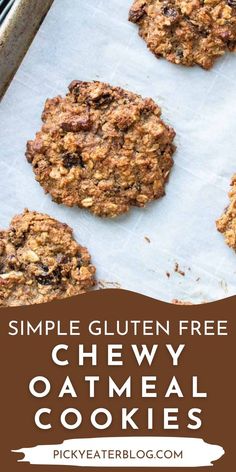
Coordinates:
(177, 269)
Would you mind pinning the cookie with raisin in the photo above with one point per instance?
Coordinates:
(187, 32)
(40, 261)
(102, 148)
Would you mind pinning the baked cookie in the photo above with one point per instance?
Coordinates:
(102, 148)
(40, 261)
(227, 223)
(187, 32)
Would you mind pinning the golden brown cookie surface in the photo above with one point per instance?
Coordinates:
(227, 223)
(102, 148)
(187, 32)
(40, 261)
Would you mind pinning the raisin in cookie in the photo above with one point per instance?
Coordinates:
(227, 223)
(187, 32)
(40, 261)
(102, 148)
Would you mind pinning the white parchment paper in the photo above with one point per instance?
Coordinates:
(90, 40)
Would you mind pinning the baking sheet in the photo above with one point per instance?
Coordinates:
(93, 40)
(16, 33)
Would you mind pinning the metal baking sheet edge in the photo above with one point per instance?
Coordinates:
(16, 35)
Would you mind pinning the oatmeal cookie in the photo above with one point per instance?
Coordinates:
(102, 148)
(227, 223)
(40, 261)
(187, 32)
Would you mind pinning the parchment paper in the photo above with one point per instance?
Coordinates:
(90, 40)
